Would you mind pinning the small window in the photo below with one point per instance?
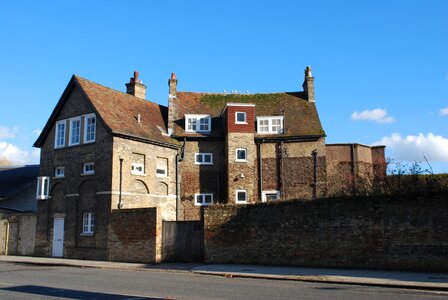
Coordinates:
(137, 169)
(59, 141)
(269, 196)
(88, 169)
(90, 128)
(241, 196)
(43, 187)
(203, 199)
(162, 167)
(59, 172)
(240, 117)
(75, 131)
(241, 155)
(203, 158)
(270, 125)
(87, 223)
(198, 123)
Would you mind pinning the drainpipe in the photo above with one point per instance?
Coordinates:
(352, 167)
(281, 170)
(314, 184)
(260, 170)
(120, 205)
(177, 187)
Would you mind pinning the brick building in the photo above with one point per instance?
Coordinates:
(105, 151)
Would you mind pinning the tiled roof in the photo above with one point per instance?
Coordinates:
(119, 111)
(300, 116)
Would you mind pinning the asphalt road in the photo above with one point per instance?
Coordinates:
(41, 282)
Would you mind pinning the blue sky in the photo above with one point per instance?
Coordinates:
(380, 67)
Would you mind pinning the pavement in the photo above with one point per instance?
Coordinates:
(397, 279)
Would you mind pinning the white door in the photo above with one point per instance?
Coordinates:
(58, 237)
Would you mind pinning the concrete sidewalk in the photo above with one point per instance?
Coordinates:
(414, 280)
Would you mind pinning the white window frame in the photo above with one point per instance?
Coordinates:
(264, 193)
(60, 142)
(86, 128)
(245, 155)
(70, 142)
(236, 117)
(236, 197)
(59, 172)
(270, 126)
(88, 165)
(203, 155)
(43, 188)
(88, 223)
(202, 196)
(135, 169)
(197, 123)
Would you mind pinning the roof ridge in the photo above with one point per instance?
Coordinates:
(77, 77)
(238, 94)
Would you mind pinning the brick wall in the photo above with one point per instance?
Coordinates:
(135, 235)
(405, 232)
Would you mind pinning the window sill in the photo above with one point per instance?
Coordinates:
(241, 123)
(239, 202)
(58, 177)
(86, 234)
(136, 174)
(204, 164)
(241, 161)
(87, 174)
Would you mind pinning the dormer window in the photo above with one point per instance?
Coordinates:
(198, 123)
(240, 117)
(270, 125)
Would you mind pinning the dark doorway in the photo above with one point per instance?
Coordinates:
(182, 241)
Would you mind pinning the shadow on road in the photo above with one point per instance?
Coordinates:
(70, 294)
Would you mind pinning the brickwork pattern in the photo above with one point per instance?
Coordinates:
(405, 232)
(135, 235)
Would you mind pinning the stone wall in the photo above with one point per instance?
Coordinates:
(355, 169)
(201, 178)
(17, 234)
(135, 235)
(405, 232)
(76, 193)
(293, 174)
(148, 189)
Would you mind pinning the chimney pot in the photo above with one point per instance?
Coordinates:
(173, 76)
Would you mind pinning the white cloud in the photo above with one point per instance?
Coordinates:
(378, 115)
(444, 111)
(12, 155)
(8, 133)
(37, 131)
(414, 147)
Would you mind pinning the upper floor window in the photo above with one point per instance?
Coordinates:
(59, 172)
(240, 117)
(203, 158)
(43, 187)
(162, 167)
(59, 140)
(198, 123)
(90, 128)
(138, 169)
(88, 168)
(270, 125)
(203, 199)
(75, 131)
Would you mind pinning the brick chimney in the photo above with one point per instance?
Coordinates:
(172, 83)
(308, 84)
(135, 87)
